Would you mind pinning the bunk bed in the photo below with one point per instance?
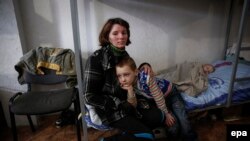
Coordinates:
(231, 79)
(216, 94)
(230, 83)
(242, 26)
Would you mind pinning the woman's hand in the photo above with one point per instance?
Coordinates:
(170, 120)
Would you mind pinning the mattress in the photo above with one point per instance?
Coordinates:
(217, 92)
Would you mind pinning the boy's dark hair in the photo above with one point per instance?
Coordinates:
(127, 61)
(145, 63)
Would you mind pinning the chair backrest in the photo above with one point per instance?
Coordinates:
(48, 78)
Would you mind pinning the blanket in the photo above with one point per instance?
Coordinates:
(188, 77)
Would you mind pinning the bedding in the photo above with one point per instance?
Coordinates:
(189, 77)
(93, 120)
(218, 87)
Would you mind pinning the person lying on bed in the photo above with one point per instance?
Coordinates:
(195, 78)
(160, 91)
(189, 77)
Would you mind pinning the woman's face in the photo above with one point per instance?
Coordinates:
(118, 36)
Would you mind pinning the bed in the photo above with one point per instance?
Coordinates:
(217, 92)
(220, 83)
(213, 97)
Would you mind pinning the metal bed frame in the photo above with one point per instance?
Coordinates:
(238, 47)
(79, 64)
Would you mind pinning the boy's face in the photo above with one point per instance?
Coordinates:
(126, 75)
(207, 68)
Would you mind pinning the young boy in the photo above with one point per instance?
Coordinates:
(135, 81)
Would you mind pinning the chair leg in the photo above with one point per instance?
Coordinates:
(78, 130)
(77, 122)
(13, 125)
(31, 123)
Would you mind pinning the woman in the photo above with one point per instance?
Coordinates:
(102, 91)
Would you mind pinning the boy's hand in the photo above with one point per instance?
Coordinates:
(170, 120)
(147, 69)
(127, 87)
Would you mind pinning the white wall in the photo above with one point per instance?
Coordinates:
(163, 32)
(46, 23)
(10, 46)
(10, 52)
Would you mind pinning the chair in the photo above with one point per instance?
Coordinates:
(39, 102)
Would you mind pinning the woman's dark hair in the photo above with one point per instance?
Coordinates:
(104, 35)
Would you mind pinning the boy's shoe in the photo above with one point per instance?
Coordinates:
(59, 123)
